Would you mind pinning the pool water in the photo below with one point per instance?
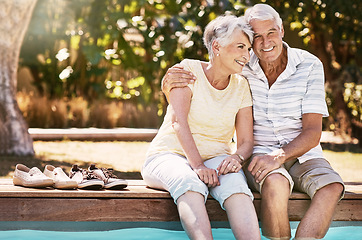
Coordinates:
(342, 231)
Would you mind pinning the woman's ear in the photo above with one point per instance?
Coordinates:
(215, 47)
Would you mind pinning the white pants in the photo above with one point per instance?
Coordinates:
(172, 172)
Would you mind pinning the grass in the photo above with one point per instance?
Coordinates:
(347, 164)
(127, 158)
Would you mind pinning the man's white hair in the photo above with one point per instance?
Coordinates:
(263, 12)
(221, 29)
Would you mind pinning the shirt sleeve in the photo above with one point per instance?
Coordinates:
(314, 98)
(246, 95)
(187, 64)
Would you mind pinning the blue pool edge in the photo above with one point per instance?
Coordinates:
(107, 226)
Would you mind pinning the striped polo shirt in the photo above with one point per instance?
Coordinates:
(278, 110)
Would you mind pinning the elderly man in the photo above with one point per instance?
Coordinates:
(287, 86)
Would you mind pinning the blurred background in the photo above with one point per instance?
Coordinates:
(90, 63)
(99, 64)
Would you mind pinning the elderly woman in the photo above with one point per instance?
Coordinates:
(191, 154)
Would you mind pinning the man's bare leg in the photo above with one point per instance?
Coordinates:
(193, 215)
(274, 207)
(318, 218)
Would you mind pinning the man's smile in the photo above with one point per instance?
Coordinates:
(267, 49)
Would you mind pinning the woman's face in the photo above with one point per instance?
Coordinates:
(236, 54)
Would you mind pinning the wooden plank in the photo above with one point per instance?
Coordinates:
(78, 209)
(135, 189)
(349, 210)
(93, 134)
(125, 134)
(137, 203)
(131, 192)
(55, 209)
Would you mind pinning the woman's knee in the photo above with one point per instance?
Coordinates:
(191, 197)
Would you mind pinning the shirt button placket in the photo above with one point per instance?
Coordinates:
(273, 116)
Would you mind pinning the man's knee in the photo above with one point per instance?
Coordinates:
(275, 186)
(276, 181)
(333, 189)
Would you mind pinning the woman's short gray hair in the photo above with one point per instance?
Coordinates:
(263, 12)
(221, 29)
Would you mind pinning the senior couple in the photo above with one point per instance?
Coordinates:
(277, 121)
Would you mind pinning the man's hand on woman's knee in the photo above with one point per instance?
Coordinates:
(261, 165)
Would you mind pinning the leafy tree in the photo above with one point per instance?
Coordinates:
(144, 38)
(121, 48)
(332, 30)
(53, 50)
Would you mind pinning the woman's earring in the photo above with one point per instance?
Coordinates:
(217, 54)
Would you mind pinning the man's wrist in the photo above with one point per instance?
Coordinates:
(279, 156)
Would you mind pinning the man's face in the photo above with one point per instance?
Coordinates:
(268, 38)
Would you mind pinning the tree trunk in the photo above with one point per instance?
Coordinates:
(14, 20)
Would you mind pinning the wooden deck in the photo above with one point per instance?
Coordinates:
(93, 134)
(136, 203)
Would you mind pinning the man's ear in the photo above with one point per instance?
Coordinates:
(282, 31)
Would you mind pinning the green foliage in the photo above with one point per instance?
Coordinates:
(332, 29)
(353, 91)
(116, 48)
(121, 48)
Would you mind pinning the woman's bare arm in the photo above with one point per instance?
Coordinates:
(180, 101)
